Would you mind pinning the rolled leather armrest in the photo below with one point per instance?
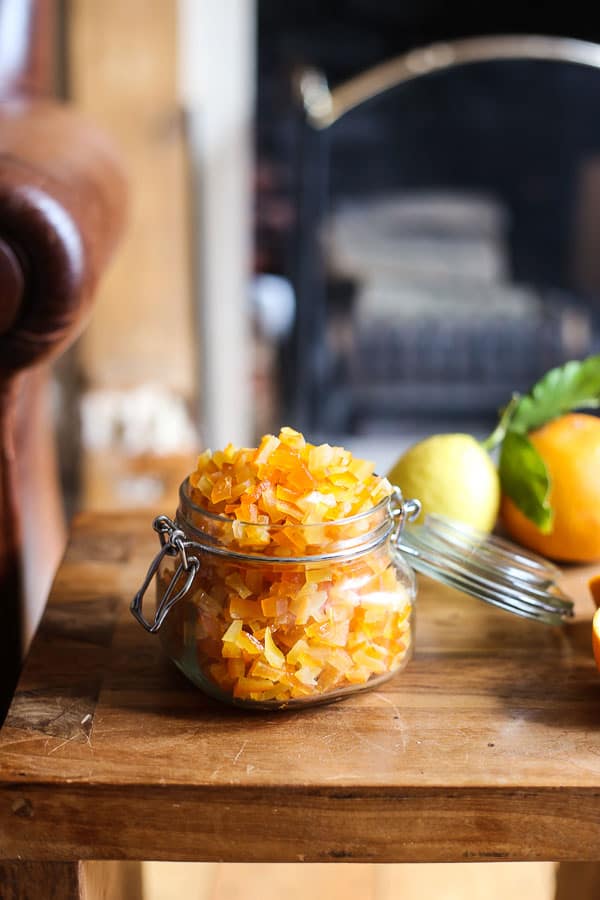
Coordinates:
(62, 202)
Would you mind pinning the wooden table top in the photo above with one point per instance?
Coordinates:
(487, 747)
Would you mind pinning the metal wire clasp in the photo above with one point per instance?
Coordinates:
(172, 543)
(402, 511)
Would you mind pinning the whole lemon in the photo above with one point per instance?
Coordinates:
(452, 475)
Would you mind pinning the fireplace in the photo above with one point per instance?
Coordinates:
(444, 231)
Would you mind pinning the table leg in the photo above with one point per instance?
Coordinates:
(578, 881)
(70, 880)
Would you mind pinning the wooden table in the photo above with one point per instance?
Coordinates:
(486, 748)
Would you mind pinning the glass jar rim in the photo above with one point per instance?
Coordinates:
(318, 541)
(184, 495)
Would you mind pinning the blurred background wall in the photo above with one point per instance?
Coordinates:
(165, 363)
(135, 367)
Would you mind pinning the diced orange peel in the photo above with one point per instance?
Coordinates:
(275, 631)
(307, 637)
(285, 481)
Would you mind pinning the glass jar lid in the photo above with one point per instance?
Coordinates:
(487, 567)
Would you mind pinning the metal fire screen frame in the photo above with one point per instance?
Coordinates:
(320, 110)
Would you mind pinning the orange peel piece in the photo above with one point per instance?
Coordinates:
(286, 479)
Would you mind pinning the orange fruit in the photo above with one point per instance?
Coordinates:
(596, 637)
(594, 586)
(570, 447)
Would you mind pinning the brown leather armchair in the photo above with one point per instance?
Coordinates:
(61, 211)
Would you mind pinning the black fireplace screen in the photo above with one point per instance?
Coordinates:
(447, 248)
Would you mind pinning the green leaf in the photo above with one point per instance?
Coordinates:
(524, 478)
(576, 385)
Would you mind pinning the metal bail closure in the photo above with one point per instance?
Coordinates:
(173, 543)
(402, 511)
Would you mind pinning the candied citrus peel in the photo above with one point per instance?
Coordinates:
(273, 630)
(286, 481)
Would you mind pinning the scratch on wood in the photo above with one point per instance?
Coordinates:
(61, 745)
(398, 721)
(87, 723)
(240, 751)
(344, 777)
(375, 746)
(233, 761)
(387, 700)
(85, 729)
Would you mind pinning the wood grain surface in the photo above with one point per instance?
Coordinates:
(97, 880)
(34, 880)
(486, 748)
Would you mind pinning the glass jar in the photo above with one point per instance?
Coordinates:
(254, 626)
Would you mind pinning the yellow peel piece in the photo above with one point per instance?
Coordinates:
(273, 654)
(231, 635)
